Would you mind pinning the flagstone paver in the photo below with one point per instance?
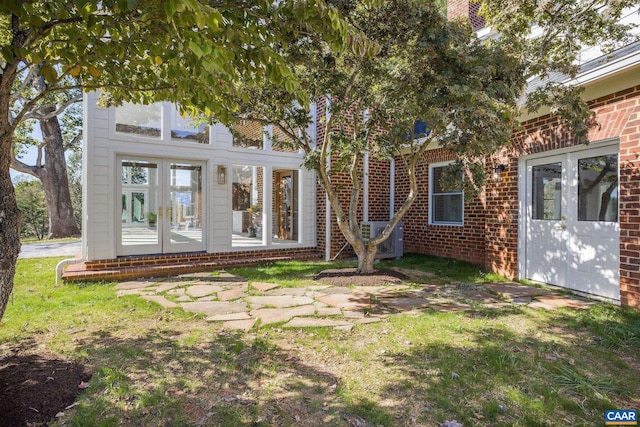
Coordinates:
(353, 314)
(313, 322)
(280, 301)
(240, 325)
(164, 287)
(553, 302)
(202, 290)
(405, 303)
(214, 307)
(315, 294)
(136, 284)
(277, 315)
(288, 291)
(224, 298)
(514, 290)
(229, 316)
(346, 301)
(158, 299)
(263, 287)
(231, 294)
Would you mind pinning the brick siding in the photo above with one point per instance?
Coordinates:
(465, 9)
(465, 242)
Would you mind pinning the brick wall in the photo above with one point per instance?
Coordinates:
(466, 242)
(465, 9)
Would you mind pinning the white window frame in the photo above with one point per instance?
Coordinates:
(432, 220)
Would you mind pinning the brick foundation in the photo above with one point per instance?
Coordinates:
(133, 267)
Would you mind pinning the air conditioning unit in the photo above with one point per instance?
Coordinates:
(390, 248)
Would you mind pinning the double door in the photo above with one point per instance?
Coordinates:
(572, 231)
(162, 206)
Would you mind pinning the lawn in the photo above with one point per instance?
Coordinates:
(155, 366)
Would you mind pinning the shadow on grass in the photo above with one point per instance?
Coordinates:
(496, 376)
(221, 379)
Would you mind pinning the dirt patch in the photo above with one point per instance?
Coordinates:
(35, 387)
(350, 277)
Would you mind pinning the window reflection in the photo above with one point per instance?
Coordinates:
(547, 191)
(598, 188)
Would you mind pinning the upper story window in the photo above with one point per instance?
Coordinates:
(187, 129)
(139, 120)
(248, 134)
(445, 206)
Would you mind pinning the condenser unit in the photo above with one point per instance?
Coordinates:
(390, 248)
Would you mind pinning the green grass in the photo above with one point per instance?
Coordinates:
(503, 367)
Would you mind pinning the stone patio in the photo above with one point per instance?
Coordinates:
(238, 305)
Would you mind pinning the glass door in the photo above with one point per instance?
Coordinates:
(183, 208)
(139, 194)
(161, 206)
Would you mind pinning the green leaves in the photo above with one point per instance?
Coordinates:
(49, 73)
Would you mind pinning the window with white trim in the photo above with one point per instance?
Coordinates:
(445, 206)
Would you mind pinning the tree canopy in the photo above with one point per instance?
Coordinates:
(191, 52)
(432, 83)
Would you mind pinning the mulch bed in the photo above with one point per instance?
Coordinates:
(350, 277)
(35, 387)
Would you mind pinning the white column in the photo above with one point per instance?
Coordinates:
(267, 206)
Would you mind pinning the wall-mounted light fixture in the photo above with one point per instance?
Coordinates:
(497, 170)
(222, 174)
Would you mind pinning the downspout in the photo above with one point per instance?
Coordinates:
(392, 188)
(65, 262)
(365, 192)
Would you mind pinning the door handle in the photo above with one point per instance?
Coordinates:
(563, 217)
(159, 212)
(560, 227)
(168, 212)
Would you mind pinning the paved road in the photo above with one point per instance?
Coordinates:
(42, 250)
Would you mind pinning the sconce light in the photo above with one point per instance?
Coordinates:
(497, 170)
(222, 174)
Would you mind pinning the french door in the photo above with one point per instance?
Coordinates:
(162, 206)
(572, 231)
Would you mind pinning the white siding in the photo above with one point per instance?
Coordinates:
(103, 146)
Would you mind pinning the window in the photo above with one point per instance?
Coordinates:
(547, 191)
(187, 129)
(446, 206)
(598, 188)
(248, 134)
(141, 120)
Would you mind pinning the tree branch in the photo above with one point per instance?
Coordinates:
(34, 115)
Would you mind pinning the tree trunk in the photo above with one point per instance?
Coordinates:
(62, 222)
(366, 258)
(10, 218)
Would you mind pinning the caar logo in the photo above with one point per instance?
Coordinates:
(621, 417)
